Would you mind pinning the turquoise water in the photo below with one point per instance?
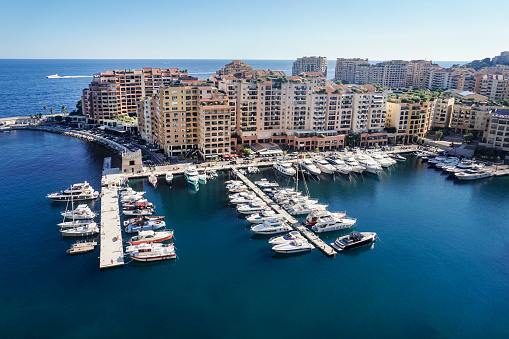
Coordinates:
(440, 268)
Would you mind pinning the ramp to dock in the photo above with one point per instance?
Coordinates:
(112, 251)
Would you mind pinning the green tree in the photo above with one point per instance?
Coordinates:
(45, 108)
(352, 139)
(439, 135)
(79, 107)
(416, 138)
(376, 145)
(52, 111)
(64, 109)
(317, 150)
(31, 116)
(247, 150)
(468, 138)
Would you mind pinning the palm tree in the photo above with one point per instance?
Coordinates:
(64, 109)
(45, 108)
(51, 111)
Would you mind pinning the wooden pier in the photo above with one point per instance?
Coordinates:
(312, 237)
(112, 250)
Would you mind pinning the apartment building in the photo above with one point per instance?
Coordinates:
(470, 117)
(310, 64)
(416, 73)
(346, 69)
(493, 86)
(496, 134)
(236, 66)
(214, 130)
(409, 119)
(442, 113)
(115, 93)
(148, 118)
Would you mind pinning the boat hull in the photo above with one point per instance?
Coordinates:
(154, 258)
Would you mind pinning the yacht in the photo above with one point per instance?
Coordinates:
(264, 183)
(472, 174)
(354, 164)
(254, 207)
(191, 176)
(139, 212)
(397, 157)
(80, 212)
(137, 205)
(370, 165)
(150, 237)
(384, 162)
(142, 219)
(82, 247)
(340, 165)
(258, 218)
(53, 76)
(313, 217)
(131, 196)
(169, 178)
(447, 162)
(76, 223)
(352, 240)
(331, 223)
(283, 239)
(252, 169)
(202, 176)
(284, 167)
(145, 226)
(248, 195)
(80, 191)
(324, 166)
(271, 226)
(153, 252)
(245, 200)
(238, 189)
(153, 180)
(304, 208)
(82, 231)
(308, 165)
(294, 246)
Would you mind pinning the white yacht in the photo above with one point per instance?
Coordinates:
(76, 223)
(304, 208)
(447, 162)
(354, 164)
(283, 239)
(247, 195)
(308, 165)
(384, 162)
(80, 191)
(340, 165)
(53, 76)
(271, 226)
(331, 223)
(153, 252)
(245, 200)
(313, 217)
(169, 178)
(294, 246)
(82, 231)
(80, 212)
(352, 240)
(264, 183)
(284, 167)
(150, 225)
(369, 164)
(202, 176)
(258, 218)
(254, 207)
(191, 176)
(472, 174)
(139, 212)
(252, 169)
(324, 166)
(153, 180)
(397, 157)
(150, 237)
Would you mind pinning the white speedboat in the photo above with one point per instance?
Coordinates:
(247, 195)
(264, 183)
(76, 223)
(80, 191)
(153, 252)
(82, 231)
(332, 223)
(472, 174)
(137, 205)
(294, 246)
(53, 76)
(139, 212)
(284, 167)
(80, 212)
(150, 225)
(352, 240)
(370, 165)
(252, 169)
(304, 208)
(324, 166)
(384, 162)
(258, 218)
(143, 219)
(254, 207)
(238, 189)
(283, 239)
(152, 180)
(397, 157)
(245, 200)
(169, 178)
(354, 164)
(313, 217)
(308, 165)
(150, 237)
(191, 176)
(340, 165)
(271, 226)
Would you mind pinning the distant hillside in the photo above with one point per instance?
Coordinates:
(487, 62)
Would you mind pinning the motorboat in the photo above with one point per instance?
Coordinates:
(294, 246)
(137, 205)
(80, 212)
(324, 166)
(313, 217)
(76, 223)
(258, 218)
(283, 239)
(311, 168)
(139, 212)
(169, 178)
(370, 165)
(191, 176)
(82, 247)
(271, 226)
(53, 76)
(80, 191)
(254, 207)
(151, 237)
(143, 219)
(153, 252)
(339, 165)
(352, 240)
(472, 174)
(332, 223)
(384, 162)
(152, 179)
(284, 167)
(304, 208)
(245, 200)
(252, 169)
(354, 164)
(264, 183)
(447, 162)
(397, 157)
(150, 225)
(238, 189)
(82, 231)
(247, 195)
(202, 176)
(131, 196)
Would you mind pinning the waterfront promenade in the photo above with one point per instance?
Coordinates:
(112, 250)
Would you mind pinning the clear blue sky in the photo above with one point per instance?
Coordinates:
(258, 29)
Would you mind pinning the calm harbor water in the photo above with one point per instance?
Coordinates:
(440, 268)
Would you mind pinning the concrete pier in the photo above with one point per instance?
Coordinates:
(112, 251)
(312, 237)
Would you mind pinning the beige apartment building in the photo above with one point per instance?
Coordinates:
(493, 86)
(470, 117)
(497, 131)
(214, 130)
(443, 112)
(310, 64)
(409, 119)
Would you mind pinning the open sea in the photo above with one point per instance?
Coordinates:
(440, 268)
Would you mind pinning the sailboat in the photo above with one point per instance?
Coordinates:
(79, 229)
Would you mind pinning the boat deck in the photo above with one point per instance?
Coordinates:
(112, 251)
(319, 243)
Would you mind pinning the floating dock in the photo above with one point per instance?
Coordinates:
(112, 251)
(312, 237)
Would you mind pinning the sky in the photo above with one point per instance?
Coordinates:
(258, 29)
